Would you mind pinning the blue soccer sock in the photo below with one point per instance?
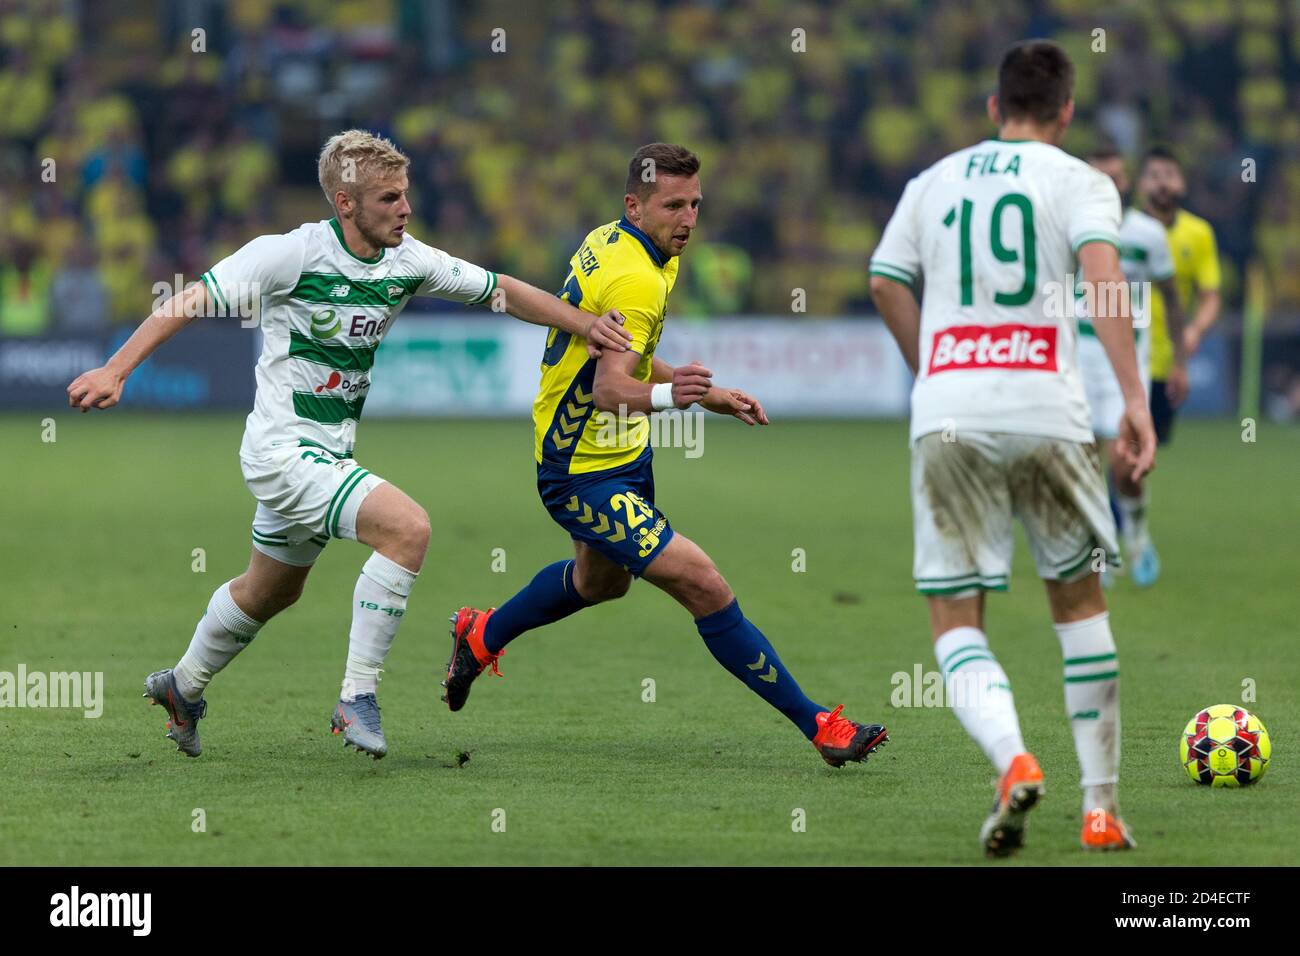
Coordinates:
(547, 598)
(742, 649)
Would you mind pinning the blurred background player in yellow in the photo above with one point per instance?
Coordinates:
(594, 463)
(1197, 279)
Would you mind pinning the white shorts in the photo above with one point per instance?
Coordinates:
(305, 496)
(965, 493)
(1105, 399)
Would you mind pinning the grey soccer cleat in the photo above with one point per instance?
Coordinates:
(160, 687)
(358, 721)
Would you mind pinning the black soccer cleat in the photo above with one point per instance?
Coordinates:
(840, 740)
(469, 657)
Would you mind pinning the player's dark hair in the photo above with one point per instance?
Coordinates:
(655, 159)
(1035, 80)
(1103, 151)
(1160, 152)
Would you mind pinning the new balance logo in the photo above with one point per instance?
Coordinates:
(339, 291)
(994, 346)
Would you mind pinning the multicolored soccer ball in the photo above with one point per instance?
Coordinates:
(1225, 746)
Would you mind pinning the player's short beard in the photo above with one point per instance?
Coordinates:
(666, 253)
(360, 220)
(1164, 201)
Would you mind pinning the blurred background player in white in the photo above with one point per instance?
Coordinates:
(1197, 278)
(324, 295)
(1145, 258)
(1000, 424)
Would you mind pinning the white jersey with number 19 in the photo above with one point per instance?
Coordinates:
(993, 230)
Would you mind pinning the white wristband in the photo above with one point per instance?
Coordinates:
(661, 396)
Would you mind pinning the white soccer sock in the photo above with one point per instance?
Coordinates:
(1092, 703)
(378, 604)
(1133, 514)
(980, 694)
(222, 633)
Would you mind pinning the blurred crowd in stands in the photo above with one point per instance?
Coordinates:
(142, 140)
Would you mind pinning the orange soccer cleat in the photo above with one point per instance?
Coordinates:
(1102, 830)
(840, 739)
(469, 656)
(1019, 791)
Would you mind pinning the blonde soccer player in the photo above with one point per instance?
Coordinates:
(324, 295)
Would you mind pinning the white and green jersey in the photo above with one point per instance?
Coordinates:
(1145, 258)
(993, 230)
(323, 312)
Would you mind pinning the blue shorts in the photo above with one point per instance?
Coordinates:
(613, 511)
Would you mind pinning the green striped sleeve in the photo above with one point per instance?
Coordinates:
(890, 271)
(1088, 237)
(210, 281)
(487, 292)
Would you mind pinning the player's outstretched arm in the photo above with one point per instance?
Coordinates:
(102, 387)
(1112, 318)
(616, 389)
(531, 304)
(902, 315)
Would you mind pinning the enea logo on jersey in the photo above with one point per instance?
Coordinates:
(1028, 347)
(325, 324)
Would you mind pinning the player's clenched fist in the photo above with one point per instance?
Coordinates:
(607, 332)
(690, 384)
(98, 388)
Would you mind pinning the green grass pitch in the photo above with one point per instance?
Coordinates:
(98, 532)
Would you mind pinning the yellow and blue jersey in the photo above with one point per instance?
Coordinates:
(616, 267)
(1196, 270)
